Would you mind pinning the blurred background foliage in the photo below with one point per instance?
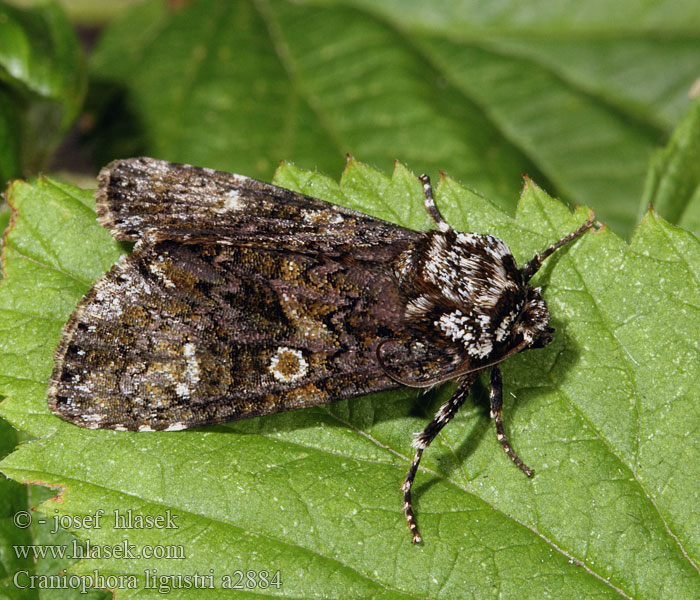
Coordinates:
(576, 95)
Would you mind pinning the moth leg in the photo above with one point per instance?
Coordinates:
(496, 404)
(430, 206)
(423, 440)
(532, 266)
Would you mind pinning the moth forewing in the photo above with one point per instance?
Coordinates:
(243, 299)
(154, 200)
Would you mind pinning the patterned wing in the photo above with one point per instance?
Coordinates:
(153, 200)
(180, 335)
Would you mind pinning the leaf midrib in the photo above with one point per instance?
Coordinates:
(287, 62)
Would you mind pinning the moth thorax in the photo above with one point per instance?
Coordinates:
(472, 329)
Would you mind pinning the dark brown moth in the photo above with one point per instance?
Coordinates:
(244, 299)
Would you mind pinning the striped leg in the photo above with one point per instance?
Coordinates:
(535, 263)
(423, 440)
(430, 206)
(496, 404)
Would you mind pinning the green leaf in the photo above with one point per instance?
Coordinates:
(673, 181)
(4, 220)
(607, 415)
(42, 83)
(575, 96)
(13, 498)
(20, 532)
(46, 269)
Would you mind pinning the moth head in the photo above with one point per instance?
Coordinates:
(465, 294)
(531, 326)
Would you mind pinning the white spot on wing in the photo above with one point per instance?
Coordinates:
(288, 364)
(232, 202)
(329, 216)
(175, 427)
(92, 418)
(192, 372)
(157, 270)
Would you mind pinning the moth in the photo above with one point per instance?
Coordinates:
(244, 299)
